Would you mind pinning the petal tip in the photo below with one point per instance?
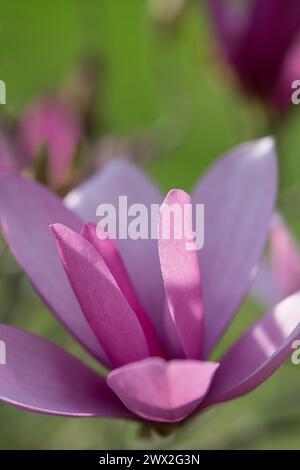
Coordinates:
(57, 229)
(266, 144)
(177, 195)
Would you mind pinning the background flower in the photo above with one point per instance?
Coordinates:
(260, 40)
(279, 273)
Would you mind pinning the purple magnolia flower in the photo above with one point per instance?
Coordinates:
(149, 310)
(260, 40)
(279, 273)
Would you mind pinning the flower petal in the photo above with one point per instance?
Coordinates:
(239, 194)
(285, 258)
(258, 353)
(180, 271)
(108, 250)
(279, 273)
(163, 391)
(106, 309)
(26, 210)
(116, 179)
(41, 377)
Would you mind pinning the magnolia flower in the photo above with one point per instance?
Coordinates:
(260, 41)
(279, 273)
(149, 310)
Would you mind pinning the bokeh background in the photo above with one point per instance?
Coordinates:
(159, 76)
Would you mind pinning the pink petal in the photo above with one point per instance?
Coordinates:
(163, 391)
(41, 377)
(116, 179)
(26, 210)
(285, 258)
(279, 273)
(106, 309)
(108, 250)
(258, 353)
(239, 194)
(181, 274)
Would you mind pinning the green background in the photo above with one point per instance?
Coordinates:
(155, 77)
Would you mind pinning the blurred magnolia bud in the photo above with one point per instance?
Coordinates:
(259, 41)
(50, 131)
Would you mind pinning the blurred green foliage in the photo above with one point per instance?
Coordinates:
(153, 77)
